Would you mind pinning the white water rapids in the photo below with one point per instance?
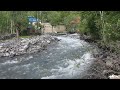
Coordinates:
(67, 59)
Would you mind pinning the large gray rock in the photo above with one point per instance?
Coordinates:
(6, 54)
(2, 50)
(109, 63)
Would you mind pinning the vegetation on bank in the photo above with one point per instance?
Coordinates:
(102, 26)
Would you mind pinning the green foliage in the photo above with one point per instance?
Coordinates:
(93, 28)
(4, 21)
(24, 32)
(54, 17)
(90, 24)
(71, 27)
(100, 25)
(105, 26)
(61, 17)
(111, 27)
(9, 20)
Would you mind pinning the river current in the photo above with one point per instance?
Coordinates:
(70, 58)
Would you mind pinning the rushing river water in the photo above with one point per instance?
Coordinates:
(67, 59)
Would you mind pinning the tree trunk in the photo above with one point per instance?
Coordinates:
(17, 34)
(11, 27)
(37, 18)
(52, 28)
(103, 26)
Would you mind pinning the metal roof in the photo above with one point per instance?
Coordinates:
(32, 19)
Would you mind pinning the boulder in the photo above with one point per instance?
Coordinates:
(1, 47)
(109, 63)
(12, 53)
(6, 54)
(2, 50)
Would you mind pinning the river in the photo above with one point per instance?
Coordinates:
(70, 58)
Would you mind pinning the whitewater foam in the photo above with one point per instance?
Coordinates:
(9, 62)
(75, 67)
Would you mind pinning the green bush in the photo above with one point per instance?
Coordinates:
(24, 33)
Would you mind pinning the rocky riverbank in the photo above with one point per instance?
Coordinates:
(7, 36)
(106, 64)
(33, 44)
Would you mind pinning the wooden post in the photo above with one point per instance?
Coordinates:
(17, 34)
(37, 18)
(102, 21)
(52, 29)
(17, 31)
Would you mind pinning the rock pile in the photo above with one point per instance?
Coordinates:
(25, 45)
(9, 36)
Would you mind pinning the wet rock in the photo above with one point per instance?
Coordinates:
(6, 54)
(48, 41)
(24, 48)
(109, 63)
(1, 47)
(110, 72)
(12, 53)
(116, 65)
(2, 50)
(96, 55)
